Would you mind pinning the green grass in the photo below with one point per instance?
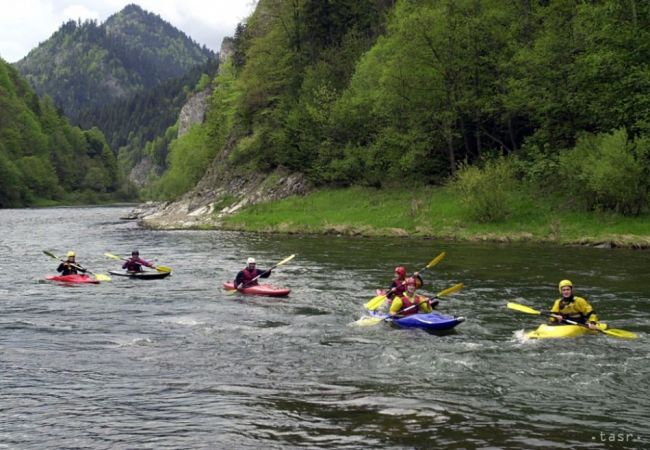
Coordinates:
(439, 213)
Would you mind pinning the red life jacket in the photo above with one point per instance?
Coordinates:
(408, 302)
(248, 275)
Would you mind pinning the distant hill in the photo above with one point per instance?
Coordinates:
(86, 65)
(44, 160)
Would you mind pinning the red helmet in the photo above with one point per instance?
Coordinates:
(401, 271)
(411, 281)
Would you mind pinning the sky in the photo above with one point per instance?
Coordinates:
(26, 23)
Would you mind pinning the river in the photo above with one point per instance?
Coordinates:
(178, 363)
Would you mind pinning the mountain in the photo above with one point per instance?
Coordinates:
(87, 65)
(44, 160)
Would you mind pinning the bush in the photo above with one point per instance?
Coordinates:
(608, 172)
(485, 191)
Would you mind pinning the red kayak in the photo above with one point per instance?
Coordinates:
(261, 289)
(72, 279)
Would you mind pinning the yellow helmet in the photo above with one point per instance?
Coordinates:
(70, 253)
(564, 283)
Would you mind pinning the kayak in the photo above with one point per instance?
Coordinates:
(72, 279)
(267, 290)
(426, 321)
(147, 275)
(546, 331)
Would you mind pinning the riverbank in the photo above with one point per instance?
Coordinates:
(436, 213)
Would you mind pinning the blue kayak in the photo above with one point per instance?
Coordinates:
(426, 321)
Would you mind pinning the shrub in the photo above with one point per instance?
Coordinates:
(608, 172)
(485, 190)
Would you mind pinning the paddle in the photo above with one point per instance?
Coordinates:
(366, 321)
(243, 285)
(158, 268)
(623, 334)
(376, 302)
(98, 276)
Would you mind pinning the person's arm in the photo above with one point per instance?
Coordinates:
(238, 279)
(555, 316)
(585, 308)
(145, 263)
(126, 264)
(425, 306)
(264, 273)
(61, 267)
(396, 306)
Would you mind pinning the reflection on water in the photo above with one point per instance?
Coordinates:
(177, 363)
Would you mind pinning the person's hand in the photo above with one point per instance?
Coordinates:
(433, 302)
(558, 317)
(592, 326)
(416, 274)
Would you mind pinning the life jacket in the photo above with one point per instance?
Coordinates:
(134, 264)
(399, 287)
(407, 302)
(574, 308)
(248, 275)
(67, 269)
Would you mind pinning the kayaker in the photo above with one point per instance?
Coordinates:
(70, 266)
(572, 307)
(398, 285)
(401, 305)
(135, 263)
(249, 275)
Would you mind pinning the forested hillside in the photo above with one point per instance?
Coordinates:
(86, 65)
(552, 94)
(42, 158)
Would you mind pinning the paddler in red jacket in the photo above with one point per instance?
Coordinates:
(249, 275)
(410, 302)
(135, 263)
(70, 266)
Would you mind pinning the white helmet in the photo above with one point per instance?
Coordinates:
(250, 261)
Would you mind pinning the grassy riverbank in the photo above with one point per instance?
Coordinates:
(437, 213)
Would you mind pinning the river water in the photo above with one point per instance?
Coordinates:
(178, 363)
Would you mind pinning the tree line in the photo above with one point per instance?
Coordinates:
(383, 93)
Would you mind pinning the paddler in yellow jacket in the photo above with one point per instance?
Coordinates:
(572, 308)
(411, 303)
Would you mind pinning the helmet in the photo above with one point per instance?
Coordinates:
(135, 252)
(564, 283)
(70, 253)
(250, 261)
(411, 281)
(401, 271)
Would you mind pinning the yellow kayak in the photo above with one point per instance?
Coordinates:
(545, 331)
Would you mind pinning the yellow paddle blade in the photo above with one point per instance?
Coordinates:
(436, 260)
(163, 269)
(622, 334)
(450, 290)
(522, 308)
(110, 255)
(367, 321)
(285, 260)
(375, 303)
(102, 277)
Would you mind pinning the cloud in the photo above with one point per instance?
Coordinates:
(29, 22)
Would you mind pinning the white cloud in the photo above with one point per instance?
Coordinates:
(28, 22)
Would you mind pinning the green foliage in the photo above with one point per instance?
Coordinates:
(188, 158)
(42, 158)
(486, 191)
(607, 171)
